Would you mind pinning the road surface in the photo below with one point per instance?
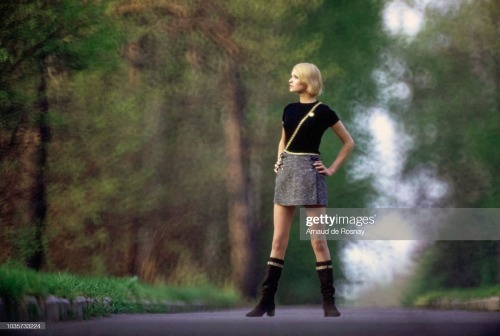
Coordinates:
(289, 321)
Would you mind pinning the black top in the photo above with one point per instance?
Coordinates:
(308, 137)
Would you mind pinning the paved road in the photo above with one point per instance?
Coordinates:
(289, 321)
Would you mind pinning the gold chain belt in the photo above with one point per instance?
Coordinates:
(295, 153)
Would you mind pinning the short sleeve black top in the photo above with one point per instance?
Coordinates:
(308, 138)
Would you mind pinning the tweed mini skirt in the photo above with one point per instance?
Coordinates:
(298, 182)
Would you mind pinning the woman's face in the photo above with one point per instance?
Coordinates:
(295, 84)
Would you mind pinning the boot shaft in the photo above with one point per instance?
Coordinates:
(269, 288)
(325, 274)
(273, 274)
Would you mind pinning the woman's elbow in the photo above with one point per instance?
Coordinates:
(350, 144)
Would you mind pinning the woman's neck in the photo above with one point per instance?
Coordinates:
(306, 98)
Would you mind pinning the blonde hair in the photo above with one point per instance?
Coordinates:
(310, 75)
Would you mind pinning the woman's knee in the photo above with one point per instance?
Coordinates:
(319, 245)
(279, 244)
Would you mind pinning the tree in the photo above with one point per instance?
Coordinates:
(38, 38)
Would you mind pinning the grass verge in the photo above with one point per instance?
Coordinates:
(458, 294)
(128, 295)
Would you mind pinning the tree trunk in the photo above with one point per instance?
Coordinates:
(39, 195)
(240, 214)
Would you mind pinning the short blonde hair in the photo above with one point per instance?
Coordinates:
(310, 75)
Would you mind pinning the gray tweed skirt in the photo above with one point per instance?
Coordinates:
(298, 182)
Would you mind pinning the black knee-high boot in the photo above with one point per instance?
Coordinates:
(269, 288)
(325, 273)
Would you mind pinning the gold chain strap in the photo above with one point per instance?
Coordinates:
(309, 114)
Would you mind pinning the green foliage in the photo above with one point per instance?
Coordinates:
(65, 36)
(473, 293)
(482, 292)
(351, 40)
(454, 112)
(452, 70)
(454, 264)
(73, 35)
(74, 32)
(23, 242)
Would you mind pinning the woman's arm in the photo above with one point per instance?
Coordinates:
(347, 146)
(281, 148)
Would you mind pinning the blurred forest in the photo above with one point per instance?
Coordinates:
(453, 115)
(138, 137)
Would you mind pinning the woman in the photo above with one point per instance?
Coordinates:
(300, 181)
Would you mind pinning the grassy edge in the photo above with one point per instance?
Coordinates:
(460, 294)
(128, 295)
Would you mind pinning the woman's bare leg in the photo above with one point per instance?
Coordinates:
(319, 243)
(283, 217)
(324, 266)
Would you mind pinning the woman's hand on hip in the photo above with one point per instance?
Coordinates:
(276, 167)
(320, 167)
